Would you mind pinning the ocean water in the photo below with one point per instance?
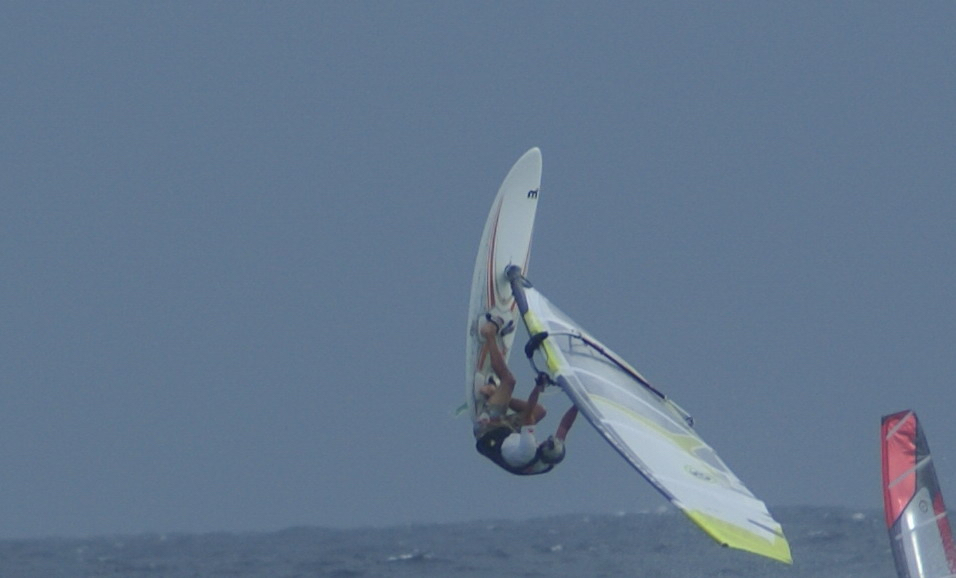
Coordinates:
(826, 543)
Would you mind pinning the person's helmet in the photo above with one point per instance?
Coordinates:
(552, 450)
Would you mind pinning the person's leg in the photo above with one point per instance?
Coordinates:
(519, 405)
(506, 385)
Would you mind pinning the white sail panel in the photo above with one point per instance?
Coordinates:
(652, 433)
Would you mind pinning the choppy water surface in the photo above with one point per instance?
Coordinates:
(826, 543)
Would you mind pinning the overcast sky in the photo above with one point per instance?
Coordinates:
(237, 242)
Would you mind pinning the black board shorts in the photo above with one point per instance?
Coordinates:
(489, 445)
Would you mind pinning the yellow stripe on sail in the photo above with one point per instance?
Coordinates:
(736, 537)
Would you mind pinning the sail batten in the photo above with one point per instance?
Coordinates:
(906, 474)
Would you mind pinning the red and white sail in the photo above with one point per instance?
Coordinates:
(916, 518)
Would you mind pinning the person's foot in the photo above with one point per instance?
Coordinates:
(499, 322)
(489, 330)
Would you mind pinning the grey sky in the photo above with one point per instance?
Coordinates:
(237, 242)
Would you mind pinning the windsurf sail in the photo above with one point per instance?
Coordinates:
(648, 429)
(916, 518)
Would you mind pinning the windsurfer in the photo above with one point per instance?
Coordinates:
(506, 438)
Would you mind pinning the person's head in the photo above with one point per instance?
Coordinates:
(552, 450)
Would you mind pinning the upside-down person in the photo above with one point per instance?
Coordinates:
(505, 430)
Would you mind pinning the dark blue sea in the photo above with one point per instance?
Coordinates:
(826, 543)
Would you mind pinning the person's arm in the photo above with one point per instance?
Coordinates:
(534, 412)
(528, 415)
(566, 422)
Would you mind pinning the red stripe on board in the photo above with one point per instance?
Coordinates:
(491, 259)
